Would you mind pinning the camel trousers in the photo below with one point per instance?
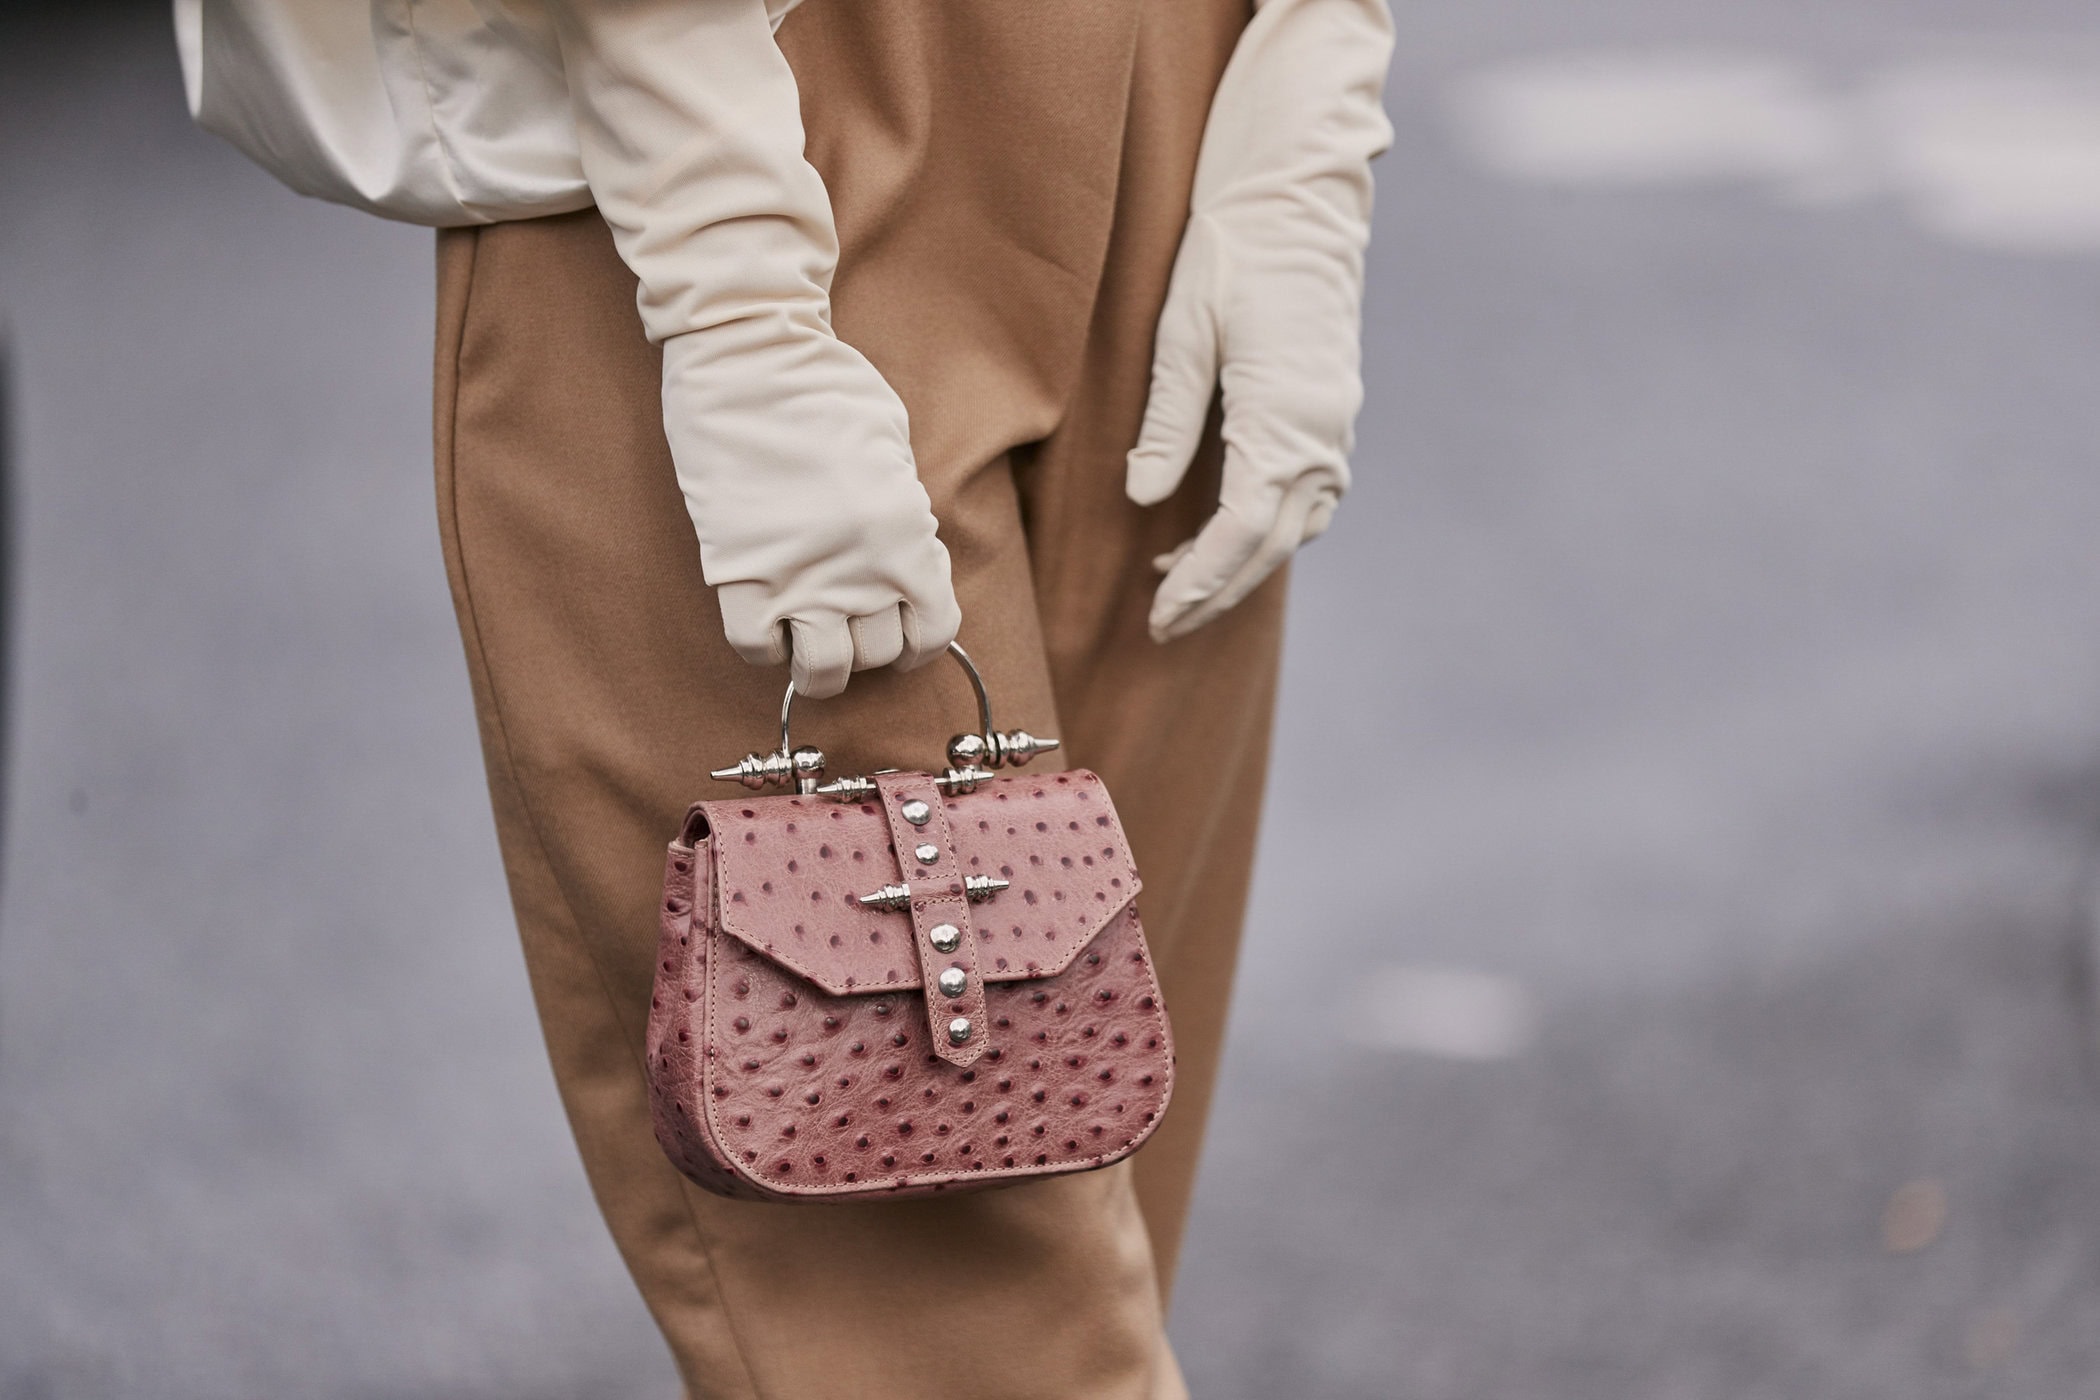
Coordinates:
(1010, 182)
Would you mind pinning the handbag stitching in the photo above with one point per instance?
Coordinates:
(726, 817)
(896, 791)
(717, 1144)
(714, 1141)
(1057, 1166)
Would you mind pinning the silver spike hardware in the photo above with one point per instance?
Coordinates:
(972, 758)
(857, 789)
(758, 771)
(979, 888)
(957, 781)
(1015, 747)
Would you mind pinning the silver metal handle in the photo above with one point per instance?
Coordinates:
(962, 659)
(971, 757)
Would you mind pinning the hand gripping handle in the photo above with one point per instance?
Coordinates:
(971, 757)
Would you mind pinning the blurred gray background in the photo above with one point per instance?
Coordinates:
(1690, 750)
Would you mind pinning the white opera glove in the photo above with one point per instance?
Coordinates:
(796, 463)
(1266, 299)
(793, 452)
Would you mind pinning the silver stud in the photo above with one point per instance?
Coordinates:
(928, 853)
(945, 937)
(958, 1030)
(952, 982)
(808, 764)
(917, 812)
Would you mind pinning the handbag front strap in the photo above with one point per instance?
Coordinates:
(942, 933)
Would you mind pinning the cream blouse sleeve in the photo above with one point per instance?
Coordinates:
(437, 112)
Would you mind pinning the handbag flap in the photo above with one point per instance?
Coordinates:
(790, 872)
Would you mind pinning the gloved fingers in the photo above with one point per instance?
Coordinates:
(824, 646)
(1223, 552)
(754, 631)
(821, 655)
(1184, 375)
(878, 638)
(930, 621)
(1231, 555)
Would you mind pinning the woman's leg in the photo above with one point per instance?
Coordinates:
(981, 164)
(605, 692)
(963, 154)
(1180, 732)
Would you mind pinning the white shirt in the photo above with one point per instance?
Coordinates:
(437, 112)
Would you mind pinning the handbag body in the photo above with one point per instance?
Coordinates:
(901, 985)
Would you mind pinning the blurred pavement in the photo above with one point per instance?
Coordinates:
(1671, 924)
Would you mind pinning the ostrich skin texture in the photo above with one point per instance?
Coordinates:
(798, 1044)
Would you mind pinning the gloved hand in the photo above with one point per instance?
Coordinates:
(792, 451)
(1266, 298)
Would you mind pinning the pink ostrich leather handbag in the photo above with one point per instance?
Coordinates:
(890, 986)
